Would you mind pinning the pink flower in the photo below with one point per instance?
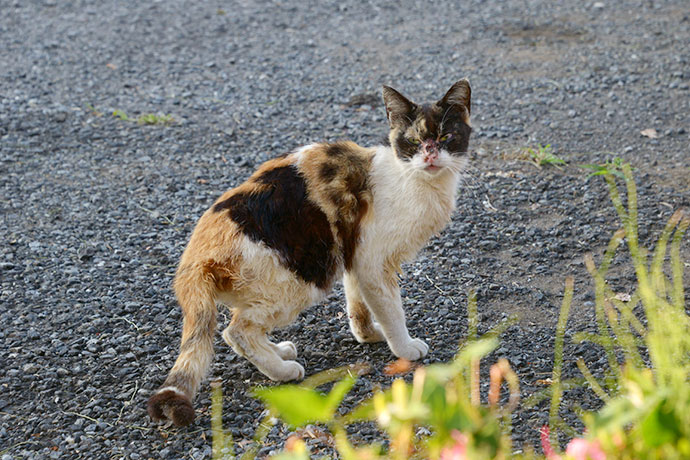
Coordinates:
(577, 449)
(459, 450)
(582, 449)
(546, 444)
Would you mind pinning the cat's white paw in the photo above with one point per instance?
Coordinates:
(286, 350)
(413, 350)
(288, 370)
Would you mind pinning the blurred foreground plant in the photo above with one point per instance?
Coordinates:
(647, 398)
(444, 398)
(439, 398)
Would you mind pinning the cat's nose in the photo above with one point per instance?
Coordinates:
(430, 146)
(430, 156)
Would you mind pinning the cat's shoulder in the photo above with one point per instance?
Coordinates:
(340, 152)
(334, 161)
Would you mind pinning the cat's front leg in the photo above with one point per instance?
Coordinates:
(362, 325)
(382, 295)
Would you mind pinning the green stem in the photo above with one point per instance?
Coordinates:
(556, 391)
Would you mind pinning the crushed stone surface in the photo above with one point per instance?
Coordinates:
(96, 208)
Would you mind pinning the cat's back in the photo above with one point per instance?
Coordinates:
(307, 207)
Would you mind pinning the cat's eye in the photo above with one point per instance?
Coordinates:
(445, 137)
(413, 141)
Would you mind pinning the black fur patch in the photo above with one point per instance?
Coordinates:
(459, 143)
(328, 171)
(404, 148)
(336, 149)
(282, 217)
(454, 122)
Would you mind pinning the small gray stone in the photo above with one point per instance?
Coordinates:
(30, 368)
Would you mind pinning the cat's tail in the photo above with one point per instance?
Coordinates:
(196, 293)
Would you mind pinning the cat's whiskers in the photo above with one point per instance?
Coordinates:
(456, 164)
(443, 119)
(467, 173)
(471, 182)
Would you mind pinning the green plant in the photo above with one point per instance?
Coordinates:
(442, 397)
(542, 156)
(649, 413)
(438, 398)
(611, 167)
(146, 119)
(645, 389)
(646, 339)
(223, 446)
(556, 388)
(155, 119)
(93, 110)
(313, 407)
(121, 115)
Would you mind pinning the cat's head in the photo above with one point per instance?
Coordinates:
(430, 136)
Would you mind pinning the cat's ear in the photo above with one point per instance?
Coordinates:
(458, 95)
(398, 107)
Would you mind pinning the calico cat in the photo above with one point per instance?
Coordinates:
(275, 245)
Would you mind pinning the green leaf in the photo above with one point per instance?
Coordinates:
(338, 392)
(611, 167)
(299, 406)
(615, 414)
(660, 426)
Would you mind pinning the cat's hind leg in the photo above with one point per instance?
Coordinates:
(196, 292)
(285, 350)
(362, 325)
(250, 341)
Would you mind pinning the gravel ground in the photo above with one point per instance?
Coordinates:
(96, 209)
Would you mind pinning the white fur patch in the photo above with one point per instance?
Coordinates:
(173, 389)
(299, 153)
(444, 160)
(269, 293)
(410, 205)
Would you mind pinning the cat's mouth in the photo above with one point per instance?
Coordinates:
(430, 153)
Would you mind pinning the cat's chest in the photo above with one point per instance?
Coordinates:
(406, 214)
(417, 207)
